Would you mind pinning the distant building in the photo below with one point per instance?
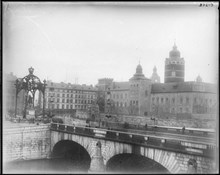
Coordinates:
(143, 96)
(9, 95)
(183, 97)
(67, 98)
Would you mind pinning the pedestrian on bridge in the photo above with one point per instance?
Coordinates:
(183, 129)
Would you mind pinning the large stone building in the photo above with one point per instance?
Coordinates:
(66, 97)
(142, 96)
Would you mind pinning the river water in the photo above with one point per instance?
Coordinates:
(120, 164)
(46, 166)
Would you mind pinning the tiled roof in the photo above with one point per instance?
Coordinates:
(183, 87)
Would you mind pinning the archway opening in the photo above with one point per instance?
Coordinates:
(132, 163)
(71, 156)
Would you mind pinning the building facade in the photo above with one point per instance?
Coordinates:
(67, 98)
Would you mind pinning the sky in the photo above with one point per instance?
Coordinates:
(83, 42)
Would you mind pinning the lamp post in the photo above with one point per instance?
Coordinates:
(16, 96)
(43, 92)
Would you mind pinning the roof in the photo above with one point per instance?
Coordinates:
(183, 87)
(120, 85)
(63, 85)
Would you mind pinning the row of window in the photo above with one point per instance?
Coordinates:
(119, 96)
(72, 95)
(134, 85)
(181, 100)
(53, 106)
(121, 104)
(53, 100)
(173, 110)
(69, 90)
(122, 96)
(174, 62)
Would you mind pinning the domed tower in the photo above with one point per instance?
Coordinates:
(174, 67)
(155, 78)
(139, 73)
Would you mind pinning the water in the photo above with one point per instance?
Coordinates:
(42, 166)
(120, 164)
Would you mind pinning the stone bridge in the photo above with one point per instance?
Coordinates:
(102, 145)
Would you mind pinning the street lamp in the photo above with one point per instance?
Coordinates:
(154, 119)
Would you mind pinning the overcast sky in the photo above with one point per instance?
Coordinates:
(70, 41)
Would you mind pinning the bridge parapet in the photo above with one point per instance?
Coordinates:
(198, 147)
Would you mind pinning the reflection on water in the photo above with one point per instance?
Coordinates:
(43, 166)
(125, 163)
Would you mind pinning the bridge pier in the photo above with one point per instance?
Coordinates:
(192, 166)
(97, 162)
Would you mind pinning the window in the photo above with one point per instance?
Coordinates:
(58, 100)
(173, 110)
(63, 100)
(67, 106)
(58, 95)
(167, 100)
(153, 99)
(187, 100)
(173, 99)
(121, 96)
(67, 95)
(57, 106)
(63, 95)
(157, 99)
(71, 106)
(181, 100)
(125, 95)
(67, 100)
(75, 101)
(62, 106)
(121, 104)
(125, 104)
(181, 110)
(137, 103)
(161, 100)
(146, 93)
(195, 100)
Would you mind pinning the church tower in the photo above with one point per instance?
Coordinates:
(174, 67)
(155, 78)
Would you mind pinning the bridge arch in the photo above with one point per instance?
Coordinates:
(130, 162)
(165, 158)
(88, 143)
(71, 151)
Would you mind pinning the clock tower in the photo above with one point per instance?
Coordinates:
(174, 67)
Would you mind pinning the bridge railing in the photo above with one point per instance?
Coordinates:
(160, 142)
(156, 128)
